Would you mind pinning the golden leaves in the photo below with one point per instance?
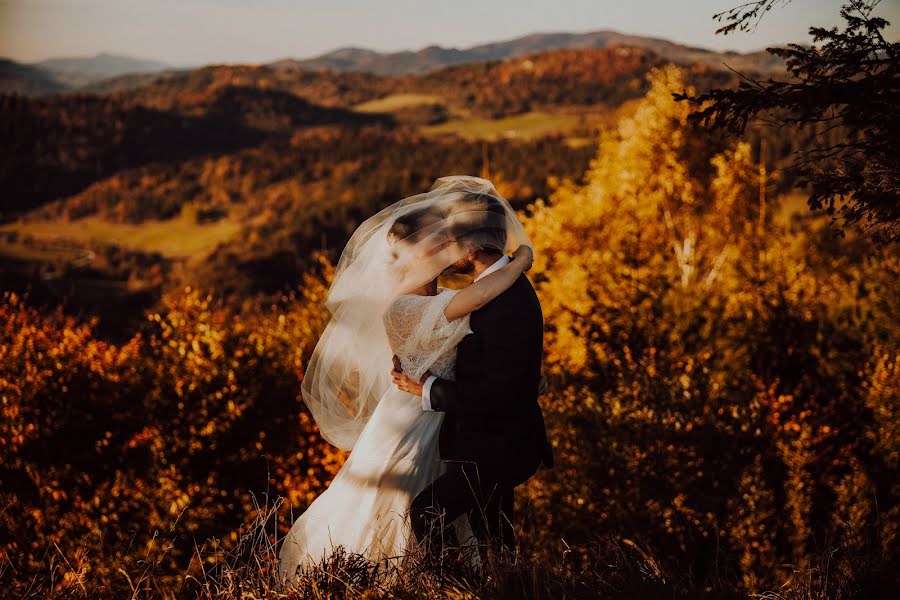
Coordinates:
(696, 340)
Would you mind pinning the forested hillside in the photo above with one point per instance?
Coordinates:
(723, 369)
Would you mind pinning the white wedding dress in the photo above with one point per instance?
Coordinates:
(365, 509)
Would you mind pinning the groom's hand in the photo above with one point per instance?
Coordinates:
(407, 383)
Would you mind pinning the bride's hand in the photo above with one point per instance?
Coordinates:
(408, 384)
(526, 254)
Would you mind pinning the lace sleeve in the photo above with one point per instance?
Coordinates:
(418, 331)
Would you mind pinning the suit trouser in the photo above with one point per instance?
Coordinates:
(464, 489)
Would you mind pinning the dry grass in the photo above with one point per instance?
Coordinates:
(616, 568)
(249, 571)
(613, 567)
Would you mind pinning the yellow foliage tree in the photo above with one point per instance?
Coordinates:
(705, 356)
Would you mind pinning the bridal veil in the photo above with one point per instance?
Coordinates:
(398, 250)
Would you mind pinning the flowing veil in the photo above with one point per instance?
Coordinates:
(399, 249)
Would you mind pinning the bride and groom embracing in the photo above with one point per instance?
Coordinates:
(439, 443)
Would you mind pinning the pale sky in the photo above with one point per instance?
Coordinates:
(193, 32)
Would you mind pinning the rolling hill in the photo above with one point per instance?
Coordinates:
(435, 57)
(231, 177)
(78, 71)
(488, 89)
(27, 80)
(55, 147)
(57, 75)
(105, 73)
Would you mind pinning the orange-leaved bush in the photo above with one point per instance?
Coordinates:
(121, 460)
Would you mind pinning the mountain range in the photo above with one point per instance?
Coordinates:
(70, 74)
(434, 57)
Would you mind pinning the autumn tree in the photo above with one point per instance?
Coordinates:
(849, 84)
(713, 372)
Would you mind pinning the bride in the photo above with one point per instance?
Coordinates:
(386, 304)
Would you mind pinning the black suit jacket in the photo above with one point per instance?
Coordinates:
(492, 413)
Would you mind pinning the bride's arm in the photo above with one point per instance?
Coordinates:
(471, 298)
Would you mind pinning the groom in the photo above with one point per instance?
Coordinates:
(492, 437)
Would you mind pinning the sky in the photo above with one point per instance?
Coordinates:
(195, 32)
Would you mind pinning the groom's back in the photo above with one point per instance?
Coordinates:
(503, 354)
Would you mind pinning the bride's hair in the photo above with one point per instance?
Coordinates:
(408, 230)
(406, 225)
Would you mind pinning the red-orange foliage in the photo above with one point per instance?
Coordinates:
(106, 447)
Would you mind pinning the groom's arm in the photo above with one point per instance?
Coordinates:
(487, 392)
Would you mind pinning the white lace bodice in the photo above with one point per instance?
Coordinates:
(421, 336)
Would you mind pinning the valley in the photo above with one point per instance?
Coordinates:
(232, 178)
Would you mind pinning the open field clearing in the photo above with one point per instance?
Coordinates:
(524, 126)
(175, 238)
(396, 102)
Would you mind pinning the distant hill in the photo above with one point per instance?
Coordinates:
(83, 70)
(546, 80)
(26, 80)
(56, 75)
(435, 57)
(170, 89)
(108, 73)
(58, 145)
(260, 166)
(553, 79)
